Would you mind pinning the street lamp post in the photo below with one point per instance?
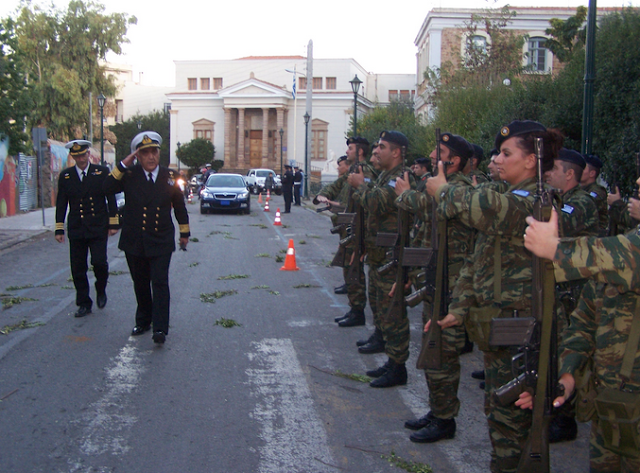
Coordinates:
(306, 154)
(355, 86)
(101, 100)
(178, 157)
(281, 163)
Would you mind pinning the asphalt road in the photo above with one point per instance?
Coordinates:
(81, 395)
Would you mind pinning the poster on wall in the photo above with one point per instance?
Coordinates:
(7, 180)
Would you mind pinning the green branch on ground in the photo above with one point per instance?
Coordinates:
(212, 296)
(227, 323)
(19, 326)
(233, 276)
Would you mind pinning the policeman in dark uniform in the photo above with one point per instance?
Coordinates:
(287, 188)
(297, 185)
(148, 234)
(93, 215)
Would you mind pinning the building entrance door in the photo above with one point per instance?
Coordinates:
(255, 150)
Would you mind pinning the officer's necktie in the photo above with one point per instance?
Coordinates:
(151, 178)
(84, 174)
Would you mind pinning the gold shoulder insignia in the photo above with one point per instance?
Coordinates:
(66, 176)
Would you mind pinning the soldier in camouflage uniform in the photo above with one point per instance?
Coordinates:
(443, 383)
(357, 151)
(589, 183)
(621, 216)
(601, 326)
(382, 216)
(579, 218)
(475, 175)
(491, 287)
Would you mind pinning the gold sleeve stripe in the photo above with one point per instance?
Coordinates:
(117, 173)
(59, 225)
(184, 228)
(114, 221)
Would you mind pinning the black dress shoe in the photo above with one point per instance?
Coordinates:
(396, 375)
(437, 429)
(102, 300)
(159, 337)
(477, 374)
(376, 346)
(355, 318)
(82, 311)
(140, 329)
(421, 423)
(340, 289)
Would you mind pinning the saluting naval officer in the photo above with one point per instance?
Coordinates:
(148, 234)
(92, 217)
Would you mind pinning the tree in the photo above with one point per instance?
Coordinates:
(567, 36)
(62, 51)
(196, 153)
(124, 132)
(16, 96)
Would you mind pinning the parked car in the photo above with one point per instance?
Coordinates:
(225, 192)
(256, 178)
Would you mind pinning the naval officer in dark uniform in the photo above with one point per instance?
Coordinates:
(93, 215)
(148, 234)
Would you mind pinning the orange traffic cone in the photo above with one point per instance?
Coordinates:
(266, 206)
(268, 195)
(277, 221)
(260, 198)
(290, 260)
(190, 199)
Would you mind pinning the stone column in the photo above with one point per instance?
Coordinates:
(227, 138)
(240, 161)
(265, 137)
(280, 126)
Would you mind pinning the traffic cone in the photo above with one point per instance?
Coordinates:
(277, 221)
(290, 260)
(190, 199)
(268, 195)
(266, 206)
(260, 198)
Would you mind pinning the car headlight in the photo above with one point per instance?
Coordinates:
(243, 195)
(207, 194)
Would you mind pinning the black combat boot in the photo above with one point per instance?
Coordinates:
(562, 429)
(436, 429)
(364, 341)
(343, 317)
(375, 344)
(477, 374)
(340, 289)
(396, 375)
(355, 318)
(421, 423)
(378, 371)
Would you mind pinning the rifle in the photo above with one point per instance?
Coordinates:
(436, 284)
(539, 350)
(343, 220)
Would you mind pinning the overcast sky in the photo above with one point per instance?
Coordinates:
(379, 35)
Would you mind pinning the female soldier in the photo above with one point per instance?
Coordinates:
(496, 281)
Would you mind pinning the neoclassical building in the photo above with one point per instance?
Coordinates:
(242, 106)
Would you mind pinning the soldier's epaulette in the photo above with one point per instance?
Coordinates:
(117, 173)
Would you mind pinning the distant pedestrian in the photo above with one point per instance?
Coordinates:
(287, 188)
(297, 185)
(93, 216)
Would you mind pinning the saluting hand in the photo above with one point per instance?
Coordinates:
(402, 184)
(128, 161)
(434, 183)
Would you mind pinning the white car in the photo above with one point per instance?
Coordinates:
(256, 177)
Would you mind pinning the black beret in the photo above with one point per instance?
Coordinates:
(359, 140)
(422, 161)
(517, 128)
(395, 137)
(457, 144)
(571, 156)
(478, 152)
(494, 152)
(288, 166)
(593, 160)
(341, 158)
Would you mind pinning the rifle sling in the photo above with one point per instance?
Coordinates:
(631, 349)
(497, 271)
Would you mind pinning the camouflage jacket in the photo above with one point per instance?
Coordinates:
(378, 201)
(599, 195)
(460, 236)
(601, 324)
(338, 190)
(579, 214)
(499, 219)
(620, 221)
(479, 175)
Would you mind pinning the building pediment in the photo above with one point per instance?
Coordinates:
(254, 88)
(203, 122)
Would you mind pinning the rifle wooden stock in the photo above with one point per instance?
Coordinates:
(397, 305)
(354, 273)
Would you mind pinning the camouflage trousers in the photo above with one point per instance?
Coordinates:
(395, 330)
(443, 383)
(508, 426)
(602, 460)
(356, 292)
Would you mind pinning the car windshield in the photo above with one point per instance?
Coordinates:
(262, 173)
(220, 180)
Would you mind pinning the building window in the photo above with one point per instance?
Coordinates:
(302, 83)
(537, 55)
(405, 95)
(479, 43)
(217, 83)
(203, 128)
(393, 95)
(193, 83)
(204, 83)
(331, 83)
(317, 82)
(119, 111)
(167, 107)
(319, 129)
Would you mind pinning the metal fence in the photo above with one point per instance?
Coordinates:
(27, 182)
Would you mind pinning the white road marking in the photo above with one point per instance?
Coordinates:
(295, 440)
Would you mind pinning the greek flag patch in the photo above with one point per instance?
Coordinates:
(392, 183)
(593, 194)
(366, 179)
(567, 209)
(521, 193)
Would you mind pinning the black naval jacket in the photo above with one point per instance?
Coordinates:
(147, 227)
(91, 212)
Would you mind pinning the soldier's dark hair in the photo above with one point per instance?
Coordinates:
(552, 142)
(577, 170)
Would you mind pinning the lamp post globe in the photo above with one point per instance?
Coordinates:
(355, 87)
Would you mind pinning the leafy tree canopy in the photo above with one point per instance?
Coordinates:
(196, 153)
(567, 36)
